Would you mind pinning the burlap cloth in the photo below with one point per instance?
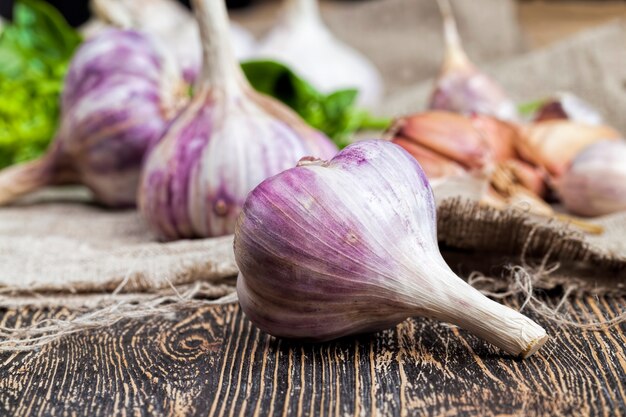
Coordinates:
(57, 248)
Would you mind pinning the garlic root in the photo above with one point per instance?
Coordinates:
(25, 178)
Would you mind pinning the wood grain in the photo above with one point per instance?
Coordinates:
(213, 362)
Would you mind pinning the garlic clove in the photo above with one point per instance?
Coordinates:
(595, 182)
(349, 245)
(225, 142)
(119, 95)
(302, 41)
(570, 107)
(461, 87)
(433, 164)
(500, 136)
(554, 143)
(451, 135)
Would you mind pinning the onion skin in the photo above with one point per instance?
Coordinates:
(225, 142)
(595, 182)
(329, 249)
(120, 93)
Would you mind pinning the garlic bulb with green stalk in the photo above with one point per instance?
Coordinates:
(225, 142)
(173, 25)
(345, 246)
(302, 41)
(461, 87)
(594, 184)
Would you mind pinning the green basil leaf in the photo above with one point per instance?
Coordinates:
(334, 114)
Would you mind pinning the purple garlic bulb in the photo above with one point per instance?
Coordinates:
(461, 87)
(226, 141)
(172, 24)
(595, 182)
(120, 93)
(345, 246)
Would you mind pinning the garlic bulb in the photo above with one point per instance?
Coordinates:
(568, 106)
(595, 182)
(120, 93)
(461, 87)
(333, 248)
(553, 144)
(302, 41)
(227, 140)
(173, 25)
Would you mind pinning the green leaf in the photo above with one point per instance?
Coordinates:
(35, 50)
(530, 108)
(335, 114)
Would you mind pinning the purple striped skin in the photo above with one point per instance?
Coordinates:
(465, 90)
(321, 248)
(116, 105)
(196, 179)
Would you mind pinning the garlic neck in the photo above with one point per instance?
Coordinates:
(302, 11)
(455, 56)
(220, 68)
(459, 303)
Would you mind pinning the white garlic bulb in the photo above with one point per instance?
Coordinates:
(302, 41)
(595, 182)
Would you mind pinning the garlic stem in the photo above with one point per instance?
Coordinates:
(465, 306)
(220, 68)
(301, 11)
(455, 54)
(25, 178)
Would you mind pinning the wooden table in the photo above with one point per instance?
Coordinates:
(213, 362)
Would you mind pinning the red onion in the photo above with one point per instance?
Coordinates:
(227, 140)
(333, 248)
(120, 92)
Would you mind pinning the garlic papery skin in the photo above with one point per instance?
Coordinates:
(595, 182)
(119, 95)
(173, 25)
(461, 87)
(334, 248)
(553, 144)
(226, 141)
(568, 106)
(471, 142)
(302, 41)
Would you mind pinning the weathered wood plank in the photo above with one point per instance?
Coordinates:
(213, 362)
